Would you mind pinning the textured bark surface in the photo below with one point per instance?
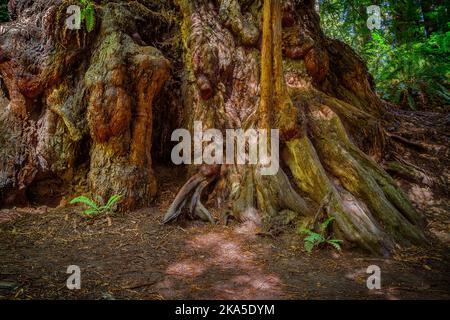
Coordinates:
(80, 104)
(319, 94)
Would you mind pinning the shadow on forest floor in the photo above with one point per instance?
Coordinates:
(135, 257)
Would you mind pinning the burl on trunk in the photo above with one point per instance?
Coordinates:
(80, 103)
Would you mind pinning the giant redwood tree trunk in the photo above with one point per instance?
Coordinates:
(253, 64)
(80, 104)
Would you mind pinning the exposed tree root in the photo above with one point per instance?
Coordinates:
(414, 144)
(418, 150)
(192, 190)
(369, 208)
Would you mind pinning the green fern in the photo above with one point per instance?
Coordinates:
(84, 200)
(90, 17)
(95, 208)
(88, 14)
(112, 201)
(324, 225)
(335, 243)
(314, 239)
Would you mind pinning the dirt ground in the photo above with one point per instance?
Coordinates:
(132, 256)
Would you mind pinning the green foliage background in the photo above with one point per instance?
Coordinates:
(408, 56)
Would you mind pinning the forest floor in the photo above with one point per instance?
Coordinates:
(132, 256)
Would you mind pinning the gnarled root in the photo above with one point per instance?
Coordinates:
(371, 211)
(369, 208)
(193, 190)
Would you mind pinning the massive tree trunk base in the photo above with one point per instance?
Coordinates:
(324, 172)
(327, 176)
(80, 105)
(79, 115)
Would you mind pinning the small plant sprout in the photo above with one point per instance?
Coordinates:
(88, 14)
(314, 239)
(95, 208)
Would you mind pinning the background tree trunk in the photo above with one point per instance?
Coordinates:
(80, 105)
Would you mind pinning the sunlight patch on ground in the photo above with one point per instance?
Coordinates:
(186, 268)
(242, 276)
(250, 286)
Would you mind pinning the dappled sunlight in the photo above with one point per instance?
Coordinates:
(241, 275)
(248, 228)
(205, 241)
(230, 252)
(186, 268)
(253, 286)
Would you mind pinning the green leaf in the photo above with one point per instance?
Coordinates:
(325, 224)
(91, 212)
(305, 231)
(112, 201)
(314, 237)
(84, 200)
(90, 17)
(335, 240)
(82, 14)
(335, 243)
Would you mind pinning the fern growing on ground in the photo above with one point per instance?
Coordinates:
(314, 239)
(95, 208)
